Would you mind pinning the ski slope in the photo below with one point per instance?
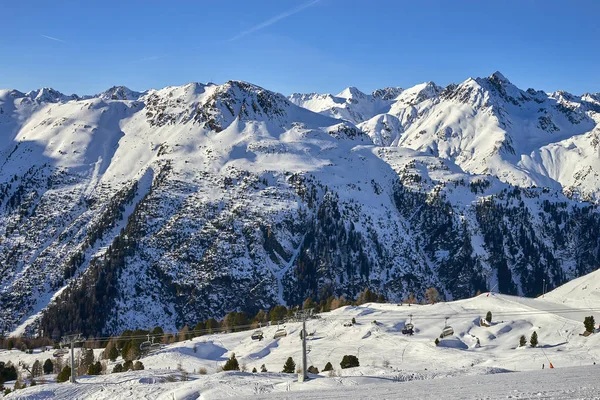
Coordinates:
(457, 367)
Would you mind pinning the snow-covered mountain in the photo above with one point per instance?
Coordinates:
(489, 126)
(126, 209)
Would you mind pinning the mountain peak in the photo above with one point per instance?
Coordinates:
(119, 93)
(387, 93)
(351, 92)
(48, 95)
(498, 77)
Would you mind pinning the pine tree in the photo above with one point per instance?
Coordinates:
(127, 365)
(113, 353)
(64, 375)
(36, 369)
(95, 369)
(254, 370)
(328, 367)
(589, 324)
(184, 333)
(522, 341)
(290, 366)
(349, 361)
(138, 366)
(86, 359)
(432, 295)
(199, 329)
(313, 370)
(488, 317)
(117, 368)
(263, 368)
(48, 366)
(533, 341)
(231, 364)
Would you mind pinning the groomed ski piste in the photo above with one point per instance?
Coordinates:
(392, 365)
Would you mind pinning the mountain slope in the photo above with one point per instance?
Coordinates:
(127, 210)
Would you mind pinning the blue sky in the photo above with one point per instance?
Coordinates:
(298, 46)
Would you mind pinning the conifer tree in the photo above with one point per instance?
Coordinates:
(290, 366)
(48, 366)
(522, 341)
(64, 375)
(533, 341)
(36, 369)
(113, 353)
(231, 364)
(328, 367)
(349, 361)
(589, 324)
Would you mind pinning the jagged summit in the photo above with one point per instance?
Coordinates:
(387, 93)
(119, 93)
(498, 77)
(49, 95)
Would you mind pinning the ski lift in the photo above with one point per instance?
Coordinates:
(145, 346)
(257, 335)
(409, 328)
(280, 333)
(447, 331)
(154, 346)
(149, 346)
(59, 353)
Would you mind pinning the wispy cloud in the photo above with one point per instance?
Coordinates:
(150, 58)
(273, 20)
(53, 38)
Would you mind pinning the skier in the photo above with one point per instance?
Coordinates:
(542, 366)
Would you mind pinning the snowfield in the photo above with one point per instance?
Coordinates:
(392, 365)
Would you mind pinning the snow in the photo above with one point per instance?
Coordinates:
(391, 364)
(485, 125)
(206, 134)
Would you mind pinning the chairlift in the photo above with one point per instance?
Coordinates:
(149, 346)
(280, 333)
(409, 327)
(447, 331)
(145, 346)
(59, 353)
(257, 335)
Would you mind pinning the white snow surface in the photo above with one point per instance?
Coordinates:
(391, 364)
